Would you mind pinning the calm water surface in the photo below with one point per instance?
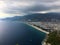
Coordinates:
(12, 33)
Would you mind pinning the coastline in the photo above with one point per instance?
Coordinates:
(44, 41)
(38, 28)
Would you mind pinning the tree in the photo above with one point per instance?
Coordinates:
(53, 38)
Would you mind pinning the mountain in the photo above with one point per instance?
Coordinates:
(36, 17)
(13, 18)
(43, 17)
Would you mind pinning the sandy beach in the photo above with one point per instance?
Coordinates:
(38, 28)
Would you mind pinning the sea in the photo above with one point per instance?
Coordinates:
(19, 33)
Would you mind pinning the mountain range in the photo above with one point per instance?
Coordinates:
(36, 17)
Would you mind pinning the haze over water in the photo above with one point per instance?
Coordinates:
(12, 33)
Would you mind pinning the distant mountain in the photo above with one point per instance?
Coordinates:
(16, 18)
(36, 17)
(43, 17)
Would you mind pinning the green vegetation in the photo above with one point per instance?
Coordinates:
(53, 38)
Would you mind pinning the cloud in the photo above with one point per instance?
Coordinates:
(20, 7)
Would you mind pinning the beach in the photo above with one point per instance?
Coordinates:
(38, 28)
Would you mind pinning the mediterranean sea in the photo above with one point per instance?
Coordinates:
(18, 33)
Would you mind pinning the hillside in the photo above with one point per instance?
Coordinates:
(36, 17)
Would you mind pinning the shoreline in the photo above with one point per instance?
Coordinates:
(38, 28)
(43, 42)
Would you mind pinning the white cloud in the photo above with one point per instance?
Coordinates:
(20, 7)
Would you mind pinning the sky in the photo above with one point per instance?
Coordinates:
(10, 8)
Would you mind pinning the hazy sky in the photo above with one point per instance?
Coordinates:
(9, 8)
